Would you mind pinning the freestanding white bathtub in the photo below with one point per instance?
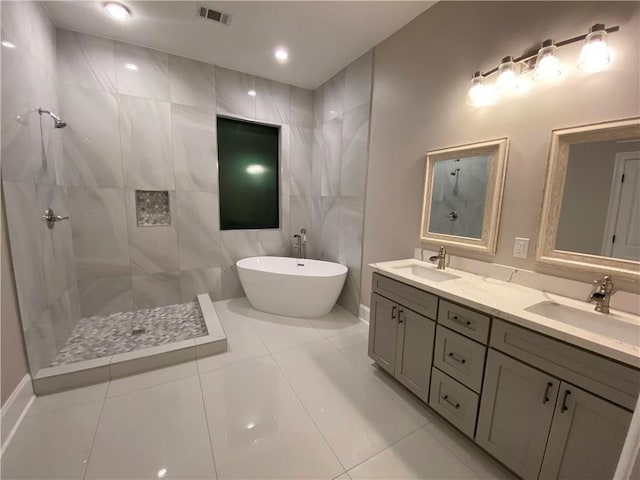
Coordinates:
(294, 287)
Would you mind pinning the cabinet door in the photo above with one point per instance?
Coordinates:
(414, 352)
(383, 332)
(586, 436)
(516, 410)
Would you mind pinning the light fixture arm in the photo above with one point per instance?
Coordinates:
(532, 54)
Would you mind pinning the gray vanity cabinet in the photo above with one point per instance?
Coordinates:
(414, 351)
(383, 332)
(586, 436)
(516, 412)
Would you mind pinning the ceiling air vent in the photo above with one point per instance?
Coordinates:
(214, 15)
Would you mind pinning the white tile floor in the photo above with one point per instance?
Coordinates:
(291, 398)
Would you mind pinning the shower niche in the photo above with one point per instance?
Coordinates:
(152, 208)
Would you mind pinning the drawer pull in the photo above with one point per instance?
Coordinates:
(459, 321)
(393, 312)
(564, 401)
(459, 360)
(400, 312)
(454, 405)
(545, 399)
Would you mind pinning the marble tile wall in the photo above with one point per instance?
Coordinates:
(146, 120)
(34, 178)
(338, 171)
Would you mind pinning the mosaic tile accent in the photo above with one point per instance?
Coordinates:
(152, 208)
(103, 336)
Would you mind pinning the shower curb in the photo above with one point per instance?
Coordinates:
(89, 372)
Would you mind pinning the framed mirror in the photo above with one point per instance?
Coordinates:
(590, 218)
(463, 195)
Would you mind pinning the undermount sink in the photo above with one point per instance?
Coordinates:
(432, 274)
(607, 325)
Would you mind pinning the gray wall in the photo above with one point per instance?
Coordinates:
(587, 190)
(421, 77)
(340, 156)
(155, 129)
(32, 174)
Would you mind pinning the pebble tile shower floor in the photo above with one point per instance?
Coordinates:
(102, 336)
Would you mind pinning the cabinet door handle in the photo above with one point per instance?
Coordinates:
(457, 359)
(455, 405)
(393, 312)
(564, 401)
(459, 321)
(400, 312)
(545, 399)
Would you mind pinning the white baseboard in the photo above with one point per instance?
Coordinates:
(14, 410)
(364, 313)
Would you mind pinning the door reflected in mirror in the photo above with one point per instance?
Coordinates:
(459, 194)
(600, 212)
(590, 218)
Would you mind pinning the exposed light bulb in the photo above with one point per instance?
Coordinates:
(251, 93)
(162, 473)
(507, 77)
(547, 64)
(117, 11)
(8, 44)
(479, 93)
(595, 55)
(282, 55)
(131, 66)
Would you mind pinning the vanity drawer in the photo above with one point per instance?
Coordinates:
(613, 381)
(413, 298)
(467, 322)
(459, 357)
(454, 401)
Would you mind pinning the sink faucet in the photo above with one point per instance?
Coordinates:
(441, 257)
(601, 294)
(301, 243)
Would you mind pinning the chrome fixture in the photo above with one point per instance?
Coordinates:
(441, 257)
(57, 121)
(300, 246)
(51, 218)
(452, 215)
(542, 60)
(601, 295)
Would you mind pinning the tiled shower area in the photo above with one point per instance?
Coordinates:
(106, 335)
(135, 171)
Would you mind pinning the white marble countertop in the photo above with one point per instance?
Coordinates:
(508, 301)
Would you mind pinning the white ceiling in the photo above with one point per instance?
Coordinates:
(321, 37)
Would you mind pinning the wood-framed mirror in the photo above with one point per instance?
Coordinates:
(590, 216)
(463, 195)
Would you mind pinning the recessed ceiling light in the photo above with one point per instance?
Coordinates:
(282, 55)
(131, 66)
(252, 93)
(8, 44)
(117, 10)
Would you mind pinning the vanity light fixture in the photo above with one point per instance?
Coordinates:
(479, 93)
(8, 44)
(595, 54)
(251, 93)
(514, 74)
(547, 64)
(117, 10)
(131, 66)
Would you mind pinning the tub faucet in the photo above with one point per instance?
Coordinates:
(441, 257)
(601, 295)
(301, 243)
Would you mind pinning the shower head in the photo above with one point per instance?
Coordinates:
(57, 121)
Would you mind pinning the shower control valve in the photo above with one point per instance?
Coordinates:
(51, 218)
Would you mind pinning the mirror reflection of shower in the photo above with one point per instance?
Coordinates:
(57, 121)
(456, 187)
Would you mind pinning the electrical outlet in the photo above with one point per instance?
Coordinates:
(520, 247)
